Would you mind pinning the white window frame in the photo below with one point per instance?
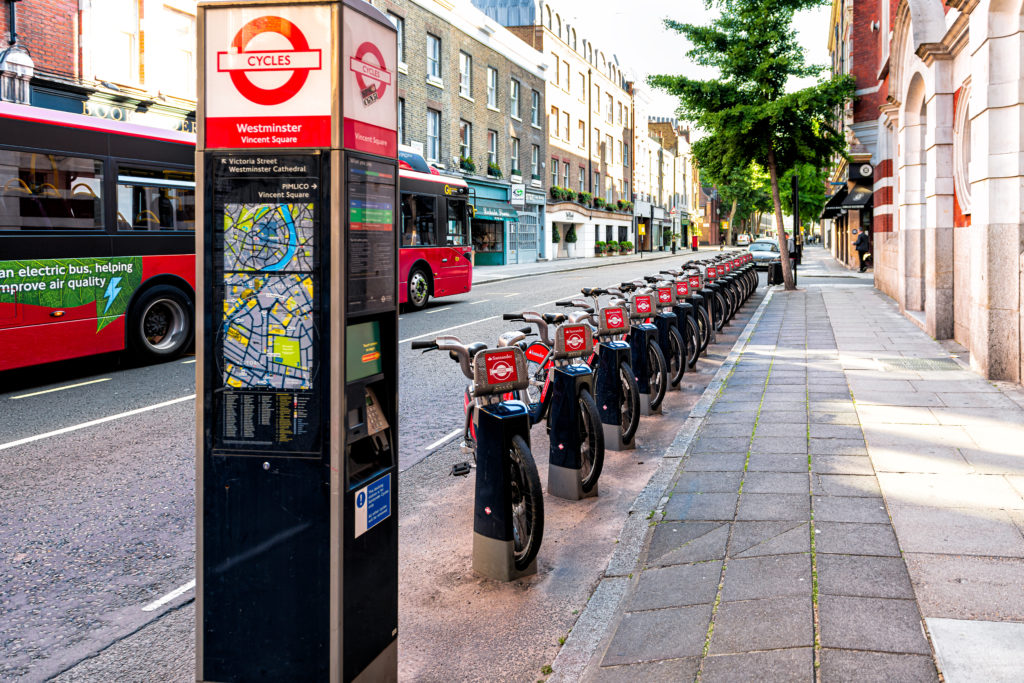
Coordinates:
(535, 161)
(535, 108)
(434, 57)
(465, 139)
(466, 75)
(515, 156)
(513, 99)
(433, 136)
(492, 147)
(492, 87)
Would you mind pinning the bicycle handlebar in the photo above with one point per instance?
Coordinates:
(429, 345)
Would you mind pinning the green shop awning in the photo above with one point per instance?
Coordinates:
(495, 210)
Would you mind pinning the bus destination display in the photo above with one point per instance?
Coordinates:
(371, 236)
(265, 232)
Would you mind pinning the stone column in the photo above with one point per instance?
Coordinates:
(912, 212)
(996, 194)
(938, 192)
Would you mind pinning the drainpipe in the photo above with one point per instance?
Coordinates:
(12, 20)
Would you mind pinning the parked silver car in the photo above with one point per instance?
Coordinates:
(764, 251)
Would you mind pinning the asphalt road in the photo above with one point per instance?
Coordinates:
(97, 523)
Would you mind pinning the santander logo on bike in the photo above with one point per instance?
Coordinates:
(682, 289)
(695, 280)
(575, 338)
(664, 295)
(643, 304)
(501, 367)
(615, 319)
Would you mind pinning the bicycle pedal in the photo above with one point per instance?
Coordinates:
(461, 469)
(466, 448)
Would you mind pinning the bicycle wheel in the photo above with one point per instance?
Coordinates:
(538, 375)
(692, 338)
(592, 445)
(527, 503)
(704, 327)
(676, 356)
(717, 310)
(630, 407)
(658, 378)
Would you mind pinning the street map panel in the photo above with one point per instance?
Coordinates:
(268, 325)
(268, 331)
(268, 238)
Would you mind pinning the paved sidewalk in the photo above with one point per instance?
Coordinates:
(848, 507)
(482, 274)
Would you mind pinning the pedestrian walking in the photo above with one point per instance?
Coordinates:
(863, 246)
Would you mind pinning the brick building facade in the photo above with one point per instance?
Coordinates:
(471, 100)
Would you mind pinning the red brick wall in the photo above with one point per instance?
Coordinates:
(866, 60)
(46, 29)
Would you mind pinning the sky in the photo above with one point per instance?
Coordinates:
(634, 32)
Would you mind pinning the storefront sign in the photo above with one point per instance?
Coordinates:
(518, 194)
(267, 84)
(535, 197)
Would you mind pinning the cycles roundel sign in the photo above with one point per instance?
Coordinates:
(501, 367)
(296, 62)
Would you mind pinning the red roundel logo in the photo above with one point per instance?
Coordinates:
(615, 318)
(695, 280)
(299, 60)
(370, 74)
(643, 304)
(501, 367)
(682, 289)
(575, 338)
(664, 295)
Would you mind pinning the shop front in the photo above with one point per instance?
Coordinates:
(494, 223)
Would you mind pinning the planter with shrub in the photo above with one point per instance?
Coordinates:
(599, 248)
(599, 203)
(612, 247)
(466, 164)
(493, 170)
(625, 246)
(570, 241)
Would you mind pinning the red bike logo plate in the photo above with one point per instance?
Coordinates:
(695, 281)
(501, 367)
(682, 289)
(643, 304)
(537, 353)
(575, 338)
(712, 272)
(665, 295)
(615, 319)
(300, 60)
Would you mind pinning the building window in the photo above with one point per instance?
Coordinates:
(554, 122)
(625, 117)
(492, 147)
(433, 135)
(566, 80)
(596, 140)
(465, 75)
(465, 139)
(625, 153)
(399, 23)
(118, 61)
(492, 87)
(581, 133)
(625, 191)
(610, 146)
(433, 56)
(565, 174)
(513, 98)
(554, 171)
(597, 99)
(401, 121)
(583, 87)
(583, 179)
(565, 120)
(555, 63)
(535, 108)
(515, 155)
(608, 104)
(179, 72)
(597, 184)
(535, 162)
(620, 113)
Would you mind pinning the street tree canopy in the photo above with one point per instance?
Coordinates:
(747, 113)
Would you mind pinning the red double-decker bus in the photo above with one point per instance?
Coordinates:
(436, 257)
(97, 237)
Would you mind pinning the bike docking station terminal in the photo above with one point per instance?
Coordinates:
(641, 336)
(296, 441)
(612, 355)
(565, 462)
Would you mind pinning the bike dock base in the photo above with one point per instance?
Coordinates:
(564, 482)
(645, 405)
(495, 559)
(613, 439)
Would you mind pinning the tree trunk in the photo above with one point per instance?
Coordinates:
(729, 232)
(787, 268)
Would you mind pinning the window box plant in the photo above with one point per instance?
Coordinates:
(493, 170)
(599, 203)
(584, 198)
(467, 165)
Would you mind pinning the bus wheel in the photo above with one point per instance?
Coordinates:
(419, 289)
(160, 323)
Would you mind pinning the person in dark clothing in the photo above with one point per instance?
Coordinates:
(863, 246)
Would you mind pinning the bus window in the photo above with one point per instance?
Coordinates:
(458, 224)
(419, 220)
(50, 192)
(150, 199)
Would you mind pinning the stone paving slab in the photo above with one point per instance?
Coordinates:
(763, 625)
(644, 636)
(772, 576)
(795, 664)
(677, 586)
(957, 643)
(871, 624)
(876, 667)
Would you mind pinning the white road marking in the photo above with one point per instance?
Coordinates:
(68, 386)
(482, 301)
(181, 590)
(188, 362)
(508, 295)
(93, 423)
(447, 329)
(443, 439)
(438, 310)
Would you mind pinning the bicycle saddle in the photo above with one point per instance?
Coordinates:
(593, 291)
(553, 318)
(627, 286)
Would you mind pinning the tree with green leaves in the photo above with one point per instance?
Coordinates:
(747, 113)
